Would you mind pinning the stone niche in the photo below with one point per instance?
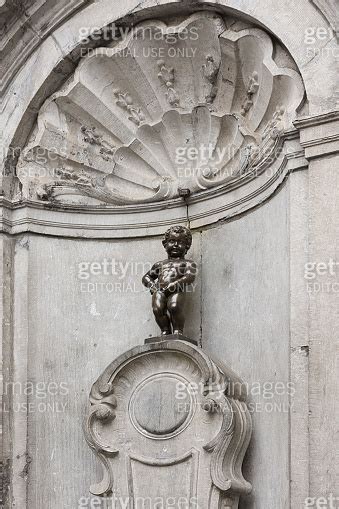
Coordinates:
(171, 428)
(202, 102)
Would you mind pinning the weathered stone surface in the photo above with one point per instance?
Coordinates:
(323, 326)
(245, 318)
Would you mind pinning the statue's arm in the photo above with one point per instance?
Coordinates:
(186, 279)
(150, 278)
(190, 273)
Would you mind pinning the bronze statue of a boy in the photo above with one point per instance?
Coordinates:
(168, 281)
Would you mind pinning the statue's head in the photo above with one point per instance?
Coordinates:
(177, 241)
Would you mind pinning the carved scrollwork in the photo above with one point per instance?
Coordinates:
(252, 89)
(166, 75)
(103, 407)
(211, 72)
(125, 101)
(91, 136)
(168, 405)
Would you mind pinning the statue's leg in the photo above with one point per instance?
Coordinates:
(175, 306)
(159, 302)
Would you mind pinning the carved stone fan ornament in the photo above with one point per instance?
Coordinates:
(199, 104)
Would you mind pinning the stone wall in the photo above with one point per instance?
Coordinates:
(76, 326)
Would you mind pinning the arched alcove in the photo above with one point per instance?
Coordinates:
(201, 102)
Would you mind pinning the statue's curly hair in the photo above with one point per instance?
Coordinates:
(185, 232)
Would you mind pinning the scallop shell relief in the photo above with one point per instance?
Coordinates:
(198, 104)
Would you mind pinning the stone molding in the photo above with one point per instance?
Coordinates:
(319, 135)
(147, 219)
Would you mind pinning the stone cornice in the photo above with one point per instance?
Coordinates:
(319, 134)
(150, 219)
(314, 120)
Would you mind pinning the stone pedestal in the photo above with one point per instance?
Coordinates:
(171, 428)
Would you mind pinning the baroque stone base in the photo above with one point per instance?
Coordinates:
(170, 427)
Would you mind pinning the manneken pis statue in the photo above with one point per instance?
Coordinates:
(168, 281)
